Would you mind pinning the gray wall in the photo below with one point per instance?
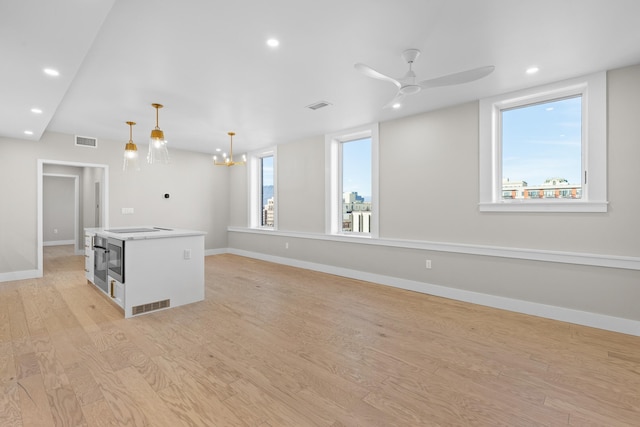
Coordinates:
(199, 193)
(90, 177)
(58, 209)
(429, 193)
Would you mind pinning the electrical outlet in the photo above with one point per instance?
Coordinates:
(428, 264)
(286, 245)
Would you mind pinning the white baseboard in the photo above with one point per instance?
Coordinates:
(595, 320)
(208, 252)
(59, 242)
(20, 275)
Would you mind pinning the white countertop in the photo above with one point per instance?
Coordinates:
(153, 233)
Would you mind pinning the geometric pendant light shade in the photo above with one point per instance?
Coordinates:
(131, 162)
(158, 153)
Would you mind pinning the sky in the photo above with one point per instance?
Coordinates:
(543, 141)
(356, 167)
(267, 170)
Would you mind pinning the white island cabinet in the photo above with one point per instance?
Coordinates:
(153, 268)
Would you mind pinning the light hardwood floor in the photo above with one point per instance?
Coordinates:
(279, 346)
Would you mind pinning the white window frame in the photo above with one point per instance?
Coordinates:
(593, 90)
(254, 162)
(333, 174)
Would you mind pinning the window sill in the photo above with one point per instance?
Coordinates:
(353, 235)
(546, 206)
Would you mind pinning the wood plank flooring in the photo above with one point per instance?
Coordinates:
(279, 346)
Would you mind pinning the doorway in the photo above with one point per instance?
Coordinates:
(93, 200)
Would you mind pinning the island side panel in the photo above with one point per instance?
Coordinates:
(156, 270)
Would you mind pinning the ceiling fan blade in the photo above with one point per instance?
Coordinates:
(368, 71)
(458, 78)
(399, 97)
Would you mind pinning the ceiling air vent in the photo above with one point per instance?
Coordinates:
(318, 105)
(86, 141)
(152, 306)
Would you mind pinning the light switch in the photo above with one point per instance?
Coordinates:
(187, 254)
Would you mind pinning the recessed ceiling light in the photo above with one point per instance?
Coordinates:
(273, 43)
(396, 106)
(36, 111)
(28, 132)
(532, 70)
(51, 72)
(218, 150)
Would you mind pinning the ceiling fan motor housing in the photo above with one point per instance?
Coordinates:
(410, 55)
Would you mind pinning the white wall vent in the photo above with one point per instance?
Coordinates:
(86, 141)
(318, 105)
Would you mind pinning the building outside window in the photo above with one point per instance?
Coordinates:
(262, 189)
(356, 185)
(542, 148)
(266, 192)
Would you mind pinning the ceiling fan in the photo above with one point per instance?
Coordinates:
(407, 84)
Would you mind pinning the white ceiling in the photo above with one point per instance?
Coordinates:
(208, 62)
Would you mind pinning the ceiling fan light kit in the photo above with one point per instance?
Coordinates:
(407, 85)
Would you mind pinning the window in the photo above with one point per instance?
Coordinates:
(544, 149)
(262, 204)
(352, 181)
(266, 191)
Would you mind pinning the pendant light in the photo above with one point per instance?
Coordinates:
(158, 152)
(228, 161)
(131, 152)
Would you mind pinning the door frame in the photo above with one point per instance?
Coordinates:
(40, 176)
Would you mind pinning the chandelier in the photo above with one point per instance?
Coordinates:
(228, 161)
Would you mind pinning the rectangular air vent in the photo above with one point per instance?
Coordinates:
(144, 308)
(86, 141)
(318, 105)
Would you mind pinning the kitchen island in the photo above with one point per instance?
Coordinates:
(148, 268)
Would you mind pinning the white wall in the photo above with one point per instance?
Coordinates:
(199, 194)
(429, 210)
